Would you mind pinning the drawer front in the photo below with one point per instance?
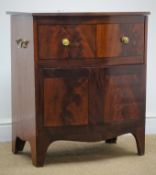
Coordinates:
(66, 41)
(120, 40)
(65, 97)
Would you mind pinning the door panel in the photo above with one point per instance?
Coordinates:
(124, 93)
(65, 97)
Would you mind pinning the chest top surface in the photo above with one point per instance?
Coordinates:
(78, 13)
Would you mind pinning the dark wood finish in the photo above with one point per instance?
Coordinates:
(43, 20)
(139, 135)
(100, 63)
(81, 37)
(65, 97)
(94, 90)
(112, 141)
(124, 93)
(111, 34)
(17, 145)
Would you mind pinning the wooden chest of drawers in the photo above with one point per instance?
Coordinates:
(77, 76)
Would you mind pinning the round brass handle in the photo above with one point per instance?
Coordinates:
(21, 43)
(125, 39)
(65, 42)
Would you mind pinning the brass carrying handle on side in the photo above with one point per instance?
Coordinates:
(22, 43)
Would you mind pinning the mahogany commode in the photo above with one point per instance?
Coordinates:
(77, 76)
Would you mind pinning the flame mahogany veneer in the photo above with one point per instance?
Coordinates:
(93, 89)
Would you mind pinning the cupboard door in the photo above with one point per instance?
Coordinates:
(123, 93)
(65, 96)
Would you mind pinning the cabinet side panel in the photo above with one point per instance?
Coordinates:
(23, 79)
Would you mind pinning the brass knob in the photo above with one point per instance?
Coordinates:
(21, 43)
(125, 39)
(65, 42)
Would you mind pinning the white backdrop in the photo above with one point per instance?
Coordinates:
(72, 6)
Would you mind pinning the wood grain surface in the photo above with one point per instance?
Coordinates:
(81, 37)
(65, 100)
(109, 40)
(92, 90)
